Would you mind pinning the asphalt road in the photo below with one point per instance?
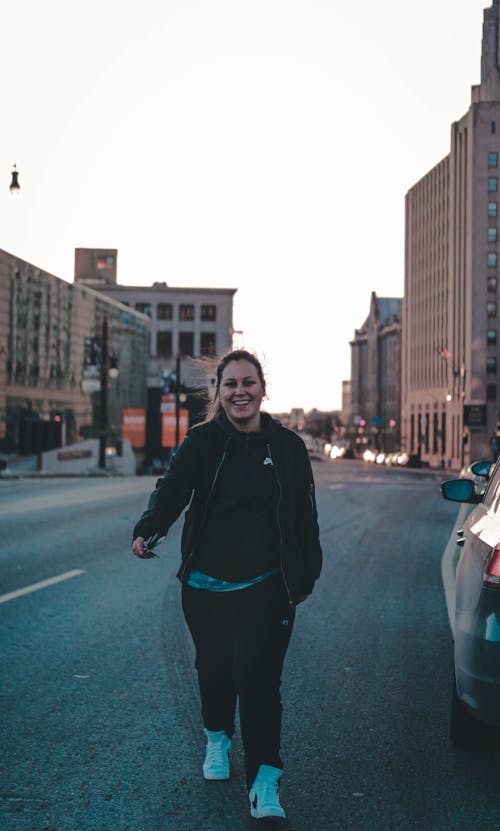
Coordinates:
(100, 717)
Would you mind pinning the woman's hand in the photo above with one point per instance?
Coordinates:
(138, 549)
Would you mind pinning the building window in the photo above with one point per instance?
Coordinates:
(164, 311)
(491, 337)
(492, 159)
(208, 312)
(492, 209)
(186, 311)
(491, 308)
(207, 343)
(145, 308)
(186, 344)
(491, 392)
(164, 344)
(493, 127)
(492, 284)
(492, 184)
(492, 234)
(492, 259)
(491, 365)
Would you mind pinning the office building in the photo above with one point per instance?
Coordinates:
(450, 376)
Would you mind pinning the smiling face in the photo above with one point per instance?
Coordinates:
(241, 393)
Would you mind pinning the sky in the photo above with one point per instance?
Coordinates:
(262, 145)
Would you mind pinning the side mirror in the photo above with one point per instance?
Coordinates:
(460, 490)
(481, 469)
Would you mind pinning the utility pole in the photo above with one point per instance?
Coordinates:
(103, 410)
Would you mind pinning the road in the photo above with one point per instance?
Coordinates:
(101, 728)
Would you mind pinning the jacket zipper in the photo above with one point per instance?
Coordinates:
(212, 487)
(279, 526)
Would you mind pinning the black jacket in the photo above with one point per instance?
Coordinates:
(192, 477)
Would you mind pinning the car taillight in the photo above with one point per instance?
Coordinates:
(491, 576)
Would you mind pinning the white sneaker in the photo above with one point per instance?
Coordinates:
(264, 799)
(216, 764)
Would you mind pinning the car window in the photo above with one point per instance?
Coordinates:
(492, 494)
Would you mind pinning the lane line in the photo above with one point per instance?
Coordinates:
(447, 569)
(41, 585)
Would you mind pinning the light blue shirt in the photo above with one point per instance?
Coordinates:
(199, 580)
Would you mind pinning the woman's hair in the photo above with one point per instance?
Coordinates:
(214, 406)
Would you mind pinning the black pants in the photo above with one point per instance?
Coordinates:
(241, 638)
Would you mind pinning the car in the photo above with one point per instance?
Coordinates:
(478, 472)
(475, 708)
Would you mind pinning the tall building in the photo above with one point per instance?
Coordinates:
(376, 377)
(450, 406)
(50, 341)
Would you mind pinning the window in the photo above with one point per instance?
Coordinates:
(145, 308)
(492, 259)
(186, 343)
(208, 312)
(491, 308)
(164, 344)
(492, 284)
(164, 311)
(493, 159)
(492, 209)
(492, 184)
(491, 392)
(493, 127)
(186, 311)
(491, 365)
(492, 234)
(207, 343)
(491, 337)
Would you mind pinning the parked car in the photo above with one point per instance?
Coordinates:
(478, 472)
(475, 709)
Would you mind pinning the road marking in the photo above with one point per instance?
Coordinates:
(447, 569)
(335, 487)
(41, 585)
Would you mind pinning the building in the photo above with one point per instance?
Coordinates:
(375, 414)
(50, 342)
(185, 323)
(450, 405)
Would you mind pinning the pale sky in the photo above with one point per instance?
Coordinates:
(263, 145)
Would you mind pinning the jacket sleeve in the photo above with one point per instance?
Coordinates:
(172, 493)
(307, 524)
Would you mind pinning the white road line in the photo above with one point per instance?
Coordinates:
(41, 585)
(335, 487)
(447, 569)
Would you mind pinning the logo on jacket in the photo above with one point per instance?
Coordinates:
(268, 460)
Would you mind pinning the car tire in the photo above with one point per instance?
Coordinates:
(467, 731)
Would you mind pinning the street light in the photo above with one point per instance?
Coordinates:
(108, 366)
(14, 186)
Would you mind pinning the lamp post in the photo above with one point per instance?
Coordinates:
(103, 397)
(14, 186)
(108, 366)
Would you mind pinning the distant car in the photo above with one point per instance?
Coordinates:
(475, 710)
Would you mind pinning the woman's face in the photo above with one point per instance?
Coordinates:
(241, 395)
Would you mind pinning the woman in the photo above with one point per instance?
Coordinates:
(250, 554)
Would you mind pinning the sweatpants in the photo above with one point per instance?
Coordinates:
(241, 638)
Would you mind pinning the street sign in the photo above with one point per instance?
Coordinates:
(475, 415)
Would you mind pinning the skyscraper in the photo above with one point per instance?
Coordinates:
(450, 405)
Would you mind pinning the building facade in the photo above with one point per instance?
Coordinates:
(375, 406)
(187, 327)
(185, 322)
(450, 407)
(48, 331)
